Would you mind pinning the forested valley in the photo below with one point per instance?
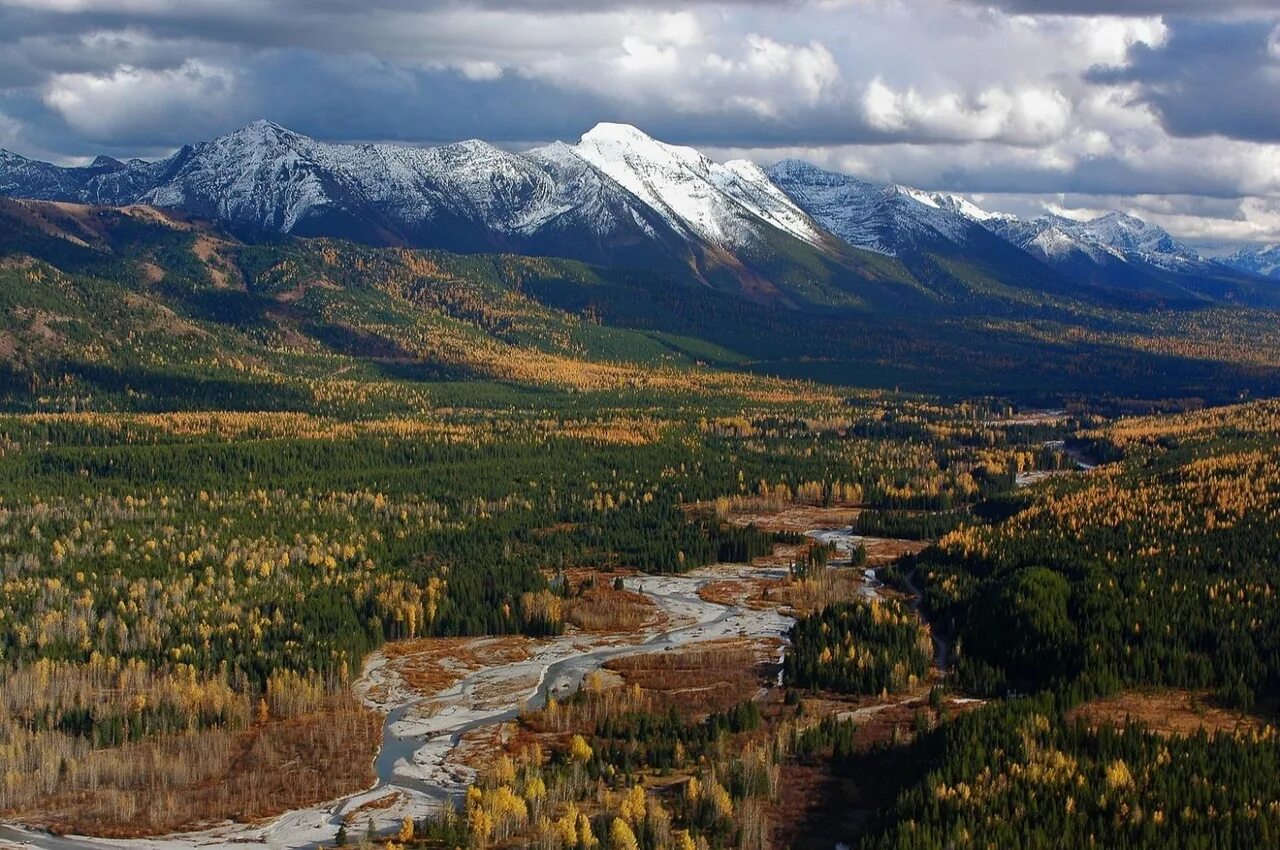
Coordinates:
(251, 495)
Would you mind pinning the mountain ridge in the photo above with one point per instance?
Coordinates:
(790, 233)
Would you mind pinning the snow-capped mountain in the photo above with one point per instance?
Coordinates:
(29, 178)
(1141, 241)
(1264, 261)
(1108, 237)
(617, 196)
(1114, 250)
(1062, 244)
(468, 196)
(792, 232)
(724, 205)
(930, 232)
(958, 205)
(942, 239)
(886, 219)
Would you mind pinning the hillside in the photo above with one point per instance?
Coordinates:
(148, 309)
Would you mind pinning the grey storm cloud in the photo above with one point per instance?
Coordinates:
(1209, 77)
(393, 75)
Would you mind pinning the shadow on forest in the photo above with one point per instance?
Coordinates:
(843, 802)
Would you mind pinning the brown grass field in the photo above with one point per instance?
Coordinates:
(712, 676)
(758, 593)
(190, 781)
(796, 518)
(1170, 712)
(602, 610)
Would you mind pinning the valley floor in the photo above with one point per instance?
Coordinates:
(450, 705)
(421, 763)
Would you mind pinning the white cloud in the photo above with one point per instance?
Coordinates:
(883, 107)
(100, 105)
(1073, 213)
(1255, 220)
(675, 63)
(481, 70)
(1025, 116)
(10, 132)
(640, 57)
(1107, 40)
(811, 67)
(682, 29)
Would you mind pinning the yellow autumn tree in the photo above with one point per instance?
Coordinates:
(621, 836)
(632, 807)
(579, 749)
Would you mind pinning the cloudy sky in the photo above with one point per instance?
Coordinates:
(1166, 108)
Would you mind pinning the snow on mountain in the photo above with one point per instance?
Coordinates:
(589, 196)
(888, 219)
(30, 178)
(721, 204)
(957, 204)
(261, 175)
(1104, 241)
(500, 194)
(1056, 243)
(1264, 261)
(878, 218)
(270, 177)
(467, 196)
(589, 205)
(605, 197)
(1055, 238)
(616, 188)
(1140, 240)
(752, 188)
(616, 196)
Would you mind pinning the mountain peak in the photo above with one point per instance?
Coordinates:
(963, 206)
(476, 148)
(613, 141)
(791, 165)
(264, 125)
(265, 130)
(889, 219)
(1123, 219)
(793, 170)
(610, 131)
(724, 205)
(617, 192)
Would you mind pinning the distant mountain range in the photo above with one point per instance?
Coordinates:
(792, 233)
(1264, 261)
